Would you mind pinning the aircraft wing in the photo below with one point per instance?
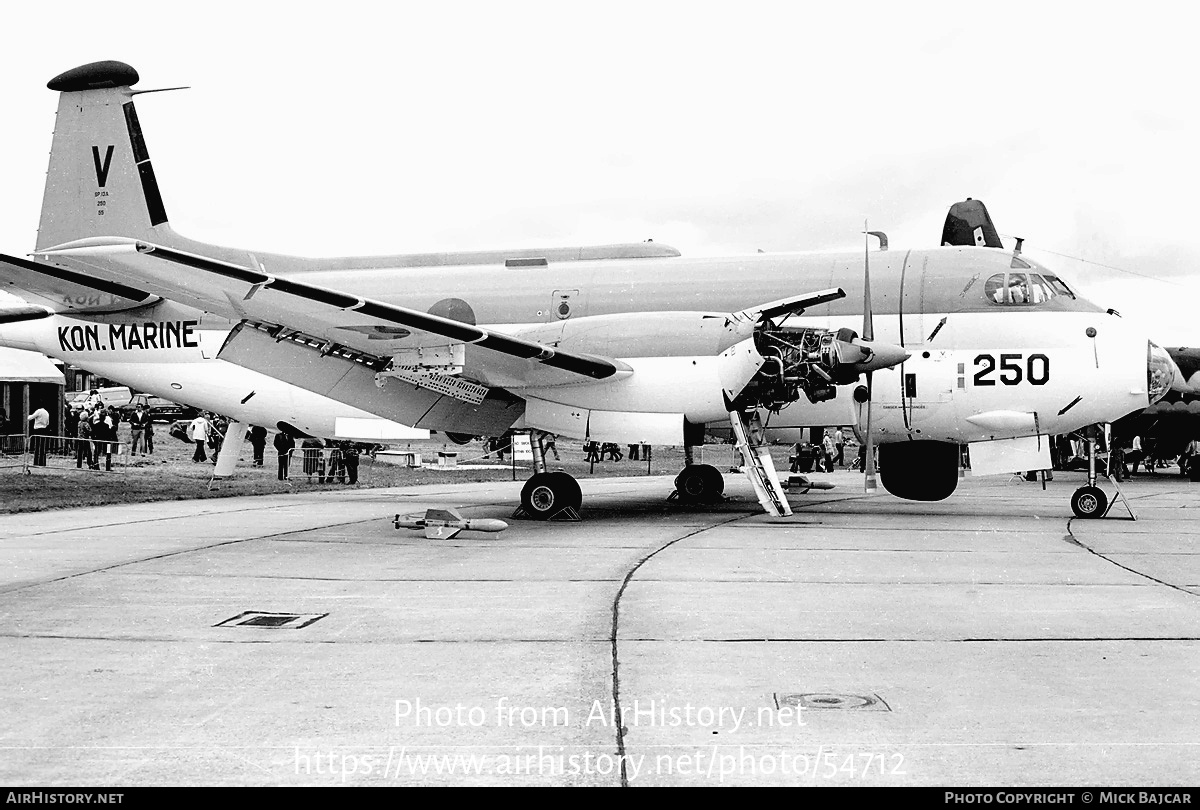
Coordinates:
(370, 331)
(61, 289)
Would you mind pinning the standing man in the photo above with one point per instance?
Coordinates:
(104, 432)
(137, 429)
(39, 435)
(839, 442)
(83, 445)
(549, 446)
(284, 445)
(217, 426)
(827, 451)
(350, 459)
(198, 433)
(337, 465)
(258, 441)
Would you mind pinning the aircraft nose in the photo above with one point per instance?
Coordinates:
(1161, 372)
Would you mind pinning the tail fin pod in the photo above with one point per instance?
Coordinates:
(968, 223)
(100, 181)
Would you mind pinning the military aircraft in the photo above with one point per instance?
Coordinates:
(619, 343)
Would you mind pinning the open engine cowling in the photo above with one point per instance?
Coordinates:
(777, 365)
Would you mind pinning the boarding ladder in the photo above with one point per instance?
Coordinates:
(757, 462)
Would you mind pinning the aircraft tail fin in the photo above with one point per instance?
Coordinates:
(100, 181)
(968, 223)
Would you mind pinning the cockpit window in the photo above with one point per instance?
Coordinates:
(995, 288)
(1059, 285)
(1022, 288)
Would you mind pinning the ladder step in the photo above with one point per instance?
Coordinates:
(758, 464)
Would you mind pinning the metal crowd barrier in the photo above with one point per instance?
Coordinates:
(12, 450)
(322, 465)
(62, 453)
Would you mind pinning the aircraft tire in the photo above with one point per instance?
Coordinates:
(1089, 502)
(572, 494)
(546, 494)
(700, 483)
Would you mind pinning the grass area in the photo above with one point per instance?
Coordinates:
(169, 474)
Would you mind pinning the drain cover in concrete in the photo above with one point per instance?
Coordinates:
(276, 621)
(832, 700)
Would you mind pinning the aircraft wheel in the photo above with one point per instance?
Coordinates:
(571, 494)
(699, 483)
(545, 494)
(1089, 502)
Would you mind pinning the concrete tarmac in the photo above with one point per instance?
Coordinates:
(989, 639)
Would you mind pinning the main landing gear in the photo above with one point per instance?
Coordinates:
(703, 483)
(699, 483)
(548, 495)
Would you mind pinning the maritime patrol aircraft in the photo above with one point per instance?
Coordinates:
(626, 343)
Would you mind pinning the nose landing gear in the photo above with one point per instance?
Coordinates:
(1090, 501)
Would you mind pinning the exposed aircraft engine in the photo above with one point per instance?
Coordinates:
(778, 365)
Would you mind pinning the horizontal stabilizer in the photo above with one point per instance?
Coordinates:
(61, 289)
(19, 313)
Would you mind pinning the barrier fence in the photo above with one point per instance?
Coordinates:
(63, 453)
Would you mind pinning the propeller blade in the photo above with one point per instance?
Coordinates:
(868, 336)
(870, 485)
(868, 331)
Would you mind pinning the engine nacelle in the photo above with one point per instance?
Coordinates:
(778, 365)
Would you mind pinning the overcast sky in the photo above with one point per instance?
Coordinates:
(354, 128)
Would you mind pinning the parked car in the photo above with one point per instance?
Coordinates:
(161, 410)
(116, 396)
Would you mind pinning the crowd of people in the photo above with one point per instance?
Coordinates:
(830, 451)
(91, 430)
(1130, 453)
(595, 452)
(94, 427)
